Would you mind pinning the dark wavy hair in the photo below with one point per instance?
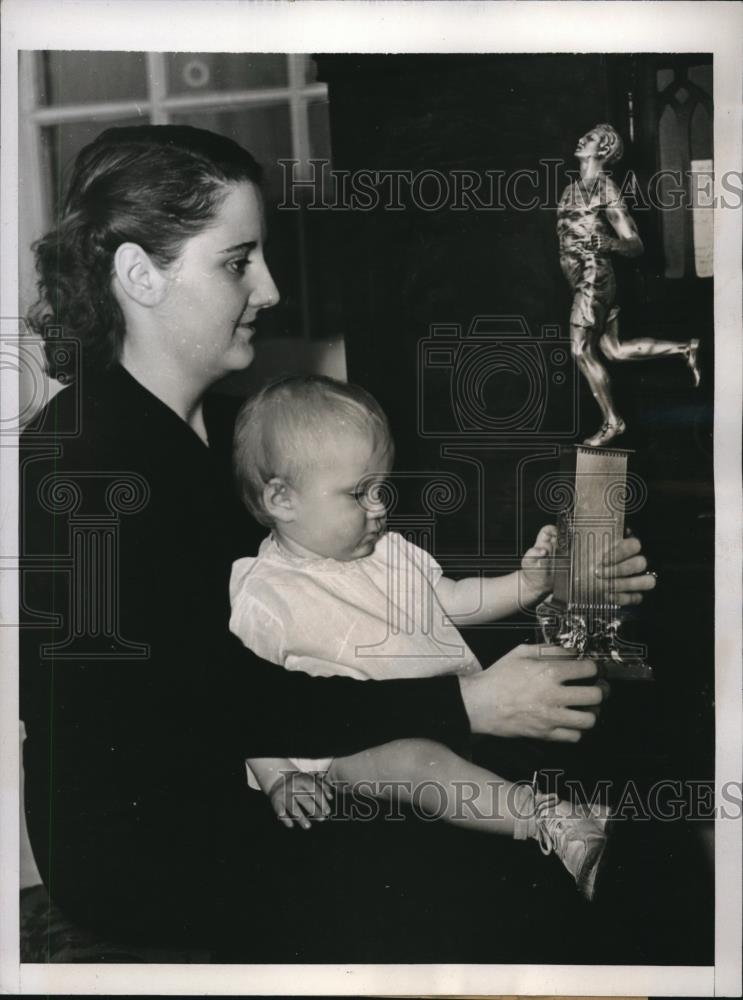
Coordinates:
(153, 185)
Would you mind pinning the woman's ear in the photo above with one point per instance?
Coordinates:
(137, 275)
(278, 499)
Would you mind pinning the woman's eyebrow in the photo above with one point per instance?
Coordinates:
(240, 246)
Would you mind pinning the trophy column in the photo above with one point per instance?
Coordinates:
(582, 613)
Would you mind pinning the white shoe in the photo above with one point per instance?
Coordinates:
(576, 834)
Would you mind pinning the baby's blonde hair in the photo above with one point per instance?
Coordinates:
(280, 431)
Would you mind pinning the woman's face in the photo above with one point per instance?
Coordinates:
(217, 287)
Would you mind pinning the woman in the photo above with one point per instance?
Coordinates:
(593, 223)
(137, 731)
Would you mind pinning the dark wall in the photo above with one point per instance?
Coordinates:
(406, 270)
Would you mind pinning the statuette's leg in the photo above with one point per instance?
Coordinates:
(606, 433)
(582, 342)
(642, 348)
(691, 361)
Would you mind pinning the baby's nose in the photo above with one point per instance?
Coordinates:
(375, 509)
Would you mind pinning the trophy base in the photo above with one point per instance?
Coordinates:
(593, 634)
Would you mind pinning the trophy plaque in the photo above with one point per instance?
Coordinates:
(582, 613)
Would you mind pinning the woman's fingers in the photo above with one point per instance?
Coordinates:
(563, 735)
(588, 694)
(626, 549)
(571, 718)
(634, 566)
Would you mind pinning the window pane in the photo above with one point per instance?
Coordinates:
(190, 72)
(700, 134)
(265, 132)
(319, 125)
(81, 77)
(310, 69)
(702, 77)
(671, 141)
(62, 143)
(663, 77)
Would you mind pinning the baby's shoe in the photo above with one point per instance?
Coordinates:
(576, 835)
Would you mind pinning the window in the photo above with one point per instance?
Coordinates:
(684, 119)
(270, 103)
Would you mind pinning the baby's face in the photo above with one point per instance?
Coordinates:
(338, 510)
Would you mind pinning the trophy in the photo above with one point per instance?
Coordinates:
(582, 612)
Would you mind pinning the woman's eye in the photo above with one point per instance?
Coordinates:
(238, 266)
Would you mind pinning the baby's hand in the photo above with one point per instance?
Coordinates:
(537, 566)
(300, 797)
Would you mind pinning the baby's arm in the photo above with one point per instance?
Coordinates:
(295, 795)
(476, 600)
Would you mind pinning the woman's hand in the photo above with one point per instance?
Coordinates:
(298, 797)
(537, 566)
(525, 694)
(628, 570)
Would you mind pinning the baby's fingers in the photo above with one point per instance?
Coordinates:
(547, 538)
(316, 804)
(280, 809)
(295, 811)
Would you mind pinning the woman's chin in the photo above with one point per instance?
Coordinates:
(241, 355)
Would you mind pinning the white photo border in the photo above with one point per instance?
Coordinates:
(412, 26)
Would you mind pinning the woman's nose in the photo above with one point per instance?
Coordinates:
(265, 294)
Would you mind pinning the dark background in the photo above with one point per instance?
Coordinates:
(402, 272)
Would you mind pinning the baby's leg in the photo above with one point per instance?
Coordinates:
(442, 785)
(436, 782)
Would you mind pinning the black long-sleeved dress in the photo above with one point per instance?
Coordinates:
(139, 705)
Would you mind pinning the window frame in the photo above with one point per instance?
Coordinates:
(157, 108)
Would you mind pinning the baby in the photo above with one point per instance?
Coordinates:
(331, 592)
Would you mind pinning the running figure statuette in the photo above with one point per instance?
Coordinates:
(592, 224)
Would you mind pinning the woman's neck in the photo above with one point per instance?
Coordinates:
(163, 379)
